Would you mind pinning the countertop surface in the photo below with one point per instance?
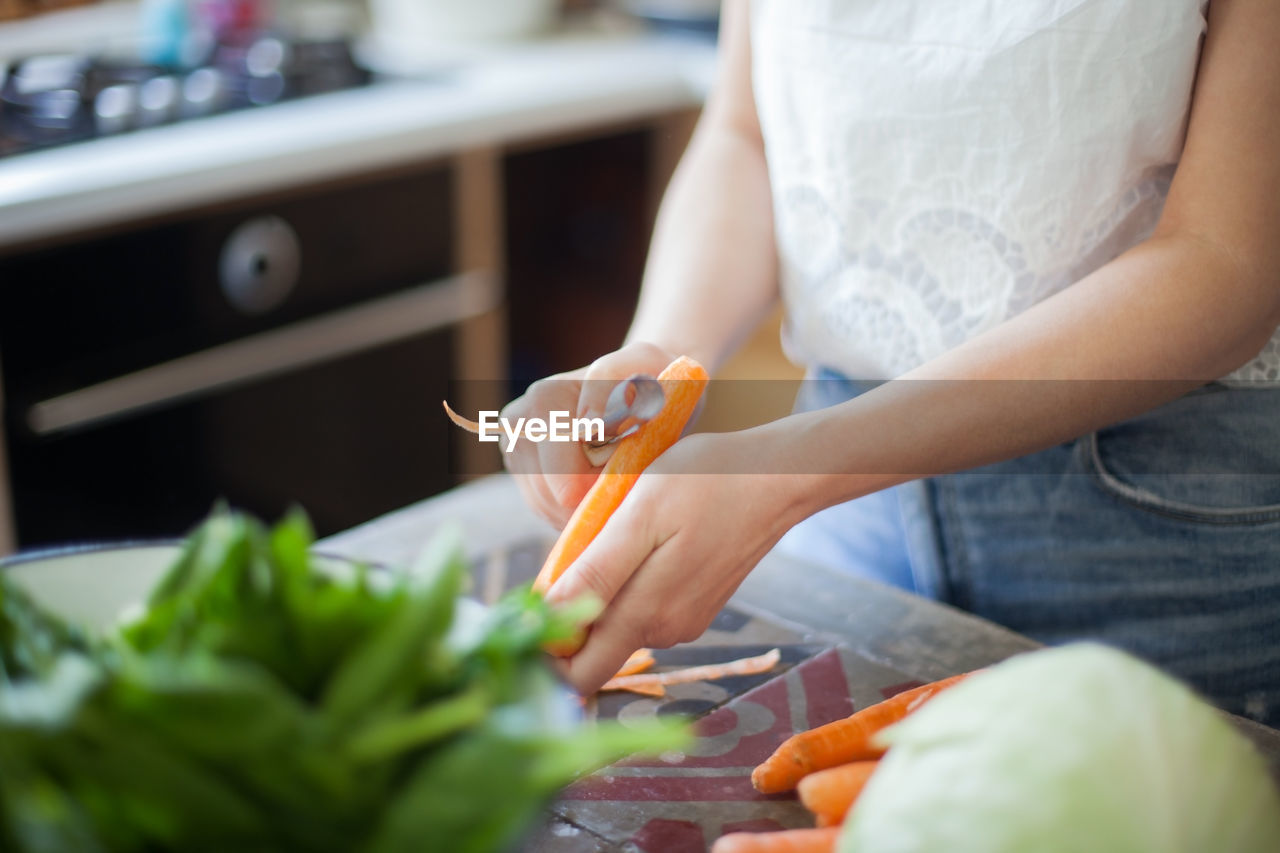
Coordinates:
(845, 643)
(555, 85)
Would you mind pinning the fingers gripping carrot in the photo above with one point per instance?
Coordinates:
(785, 841)
(840, 742)
(683, 382)
(829, 793)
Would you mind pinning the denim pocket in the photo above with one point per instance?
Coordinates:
(1211, 457)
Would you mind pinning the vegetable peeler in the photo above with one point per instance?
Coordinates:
(633, 402)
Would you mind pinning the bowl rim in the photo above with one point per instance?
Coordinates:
(72, 549)
(54, 552)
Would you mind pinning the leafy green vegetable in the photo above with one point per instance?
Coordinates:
(267, 699)
(31, 641)
(1080, 748)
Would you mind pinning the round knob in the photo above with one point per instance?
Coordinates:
(260, 264)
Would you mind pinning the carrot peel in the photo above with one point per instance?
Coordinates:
(469, 425)
(639, 661)
(645, 682)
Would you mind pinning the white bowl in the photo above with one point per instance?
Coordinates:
(92, 585)
(95, 585)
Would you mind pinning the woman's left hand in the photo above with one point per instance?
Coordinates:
(697, 521)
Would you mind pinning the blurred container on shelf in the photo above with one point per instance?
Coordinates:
(406, 24)
(690, 16)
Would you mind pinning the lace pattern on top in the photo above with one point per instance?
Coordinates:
(935, 175)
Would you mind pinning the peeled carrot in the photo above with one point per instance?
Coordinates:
(829, 793)
(783, 841)
(840, 742)
(683, 382)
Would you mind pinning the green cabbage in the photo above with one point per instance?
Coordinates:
(1080, 748)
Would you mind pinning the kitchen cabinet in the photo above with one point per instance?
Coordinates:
(452, 233)
(139, 388)
(287, 347)
(577, 231)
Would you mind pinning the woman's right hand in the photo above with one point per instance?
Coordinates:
(554, 476)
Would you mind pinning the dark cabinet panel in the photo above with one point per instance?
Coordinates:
(348, 433)
(347, 440)
(577, 235)
(84, 312)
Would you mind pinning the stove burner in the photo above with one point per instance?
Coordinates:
(55, 100)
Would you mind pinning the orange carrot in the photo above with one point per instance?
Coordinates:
(710, 672)
(829, 793)
(657, 691)
(850, 739)
(639, 661)
(683, 381)
(784, 841)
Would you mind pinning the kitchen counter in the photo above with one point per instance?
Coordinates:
(845, 643)
(557, 85)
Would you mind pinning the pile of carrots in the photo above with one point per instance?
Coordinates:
(828, 767)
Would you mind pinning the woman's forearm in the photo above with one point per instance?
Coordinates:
(1171, 314)
(712, 271)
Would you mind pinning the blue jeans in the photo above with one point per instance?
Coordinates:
(1159, 535)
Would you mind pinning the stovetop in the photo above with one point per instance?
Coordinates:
(61, 99)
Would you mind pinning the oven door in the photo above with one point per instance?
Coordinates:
(291, 350)
(339, 415)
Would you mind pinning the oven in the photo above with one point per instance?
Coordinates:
(281, 350)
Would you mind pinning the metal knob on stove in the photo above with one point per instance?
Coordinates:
(115, 109)
(158, 100)
(204, 92)
(260, 264)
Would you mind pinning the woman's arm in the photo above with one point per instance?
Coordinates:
(1196, 300)
(712, 271)
(711, 277)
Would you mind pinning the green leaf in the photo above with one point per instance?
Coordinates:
(391, 653)
(53, 703)
(31, 640)
(422, 728)
(207, 706)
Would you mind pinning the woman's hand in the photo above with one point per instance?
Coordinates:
(553, 476)
(696, 522)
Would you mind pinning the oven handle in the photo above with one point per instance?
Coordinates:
(411, 312)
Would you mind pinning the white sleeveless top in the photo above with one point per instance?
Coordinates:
(939, 166)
